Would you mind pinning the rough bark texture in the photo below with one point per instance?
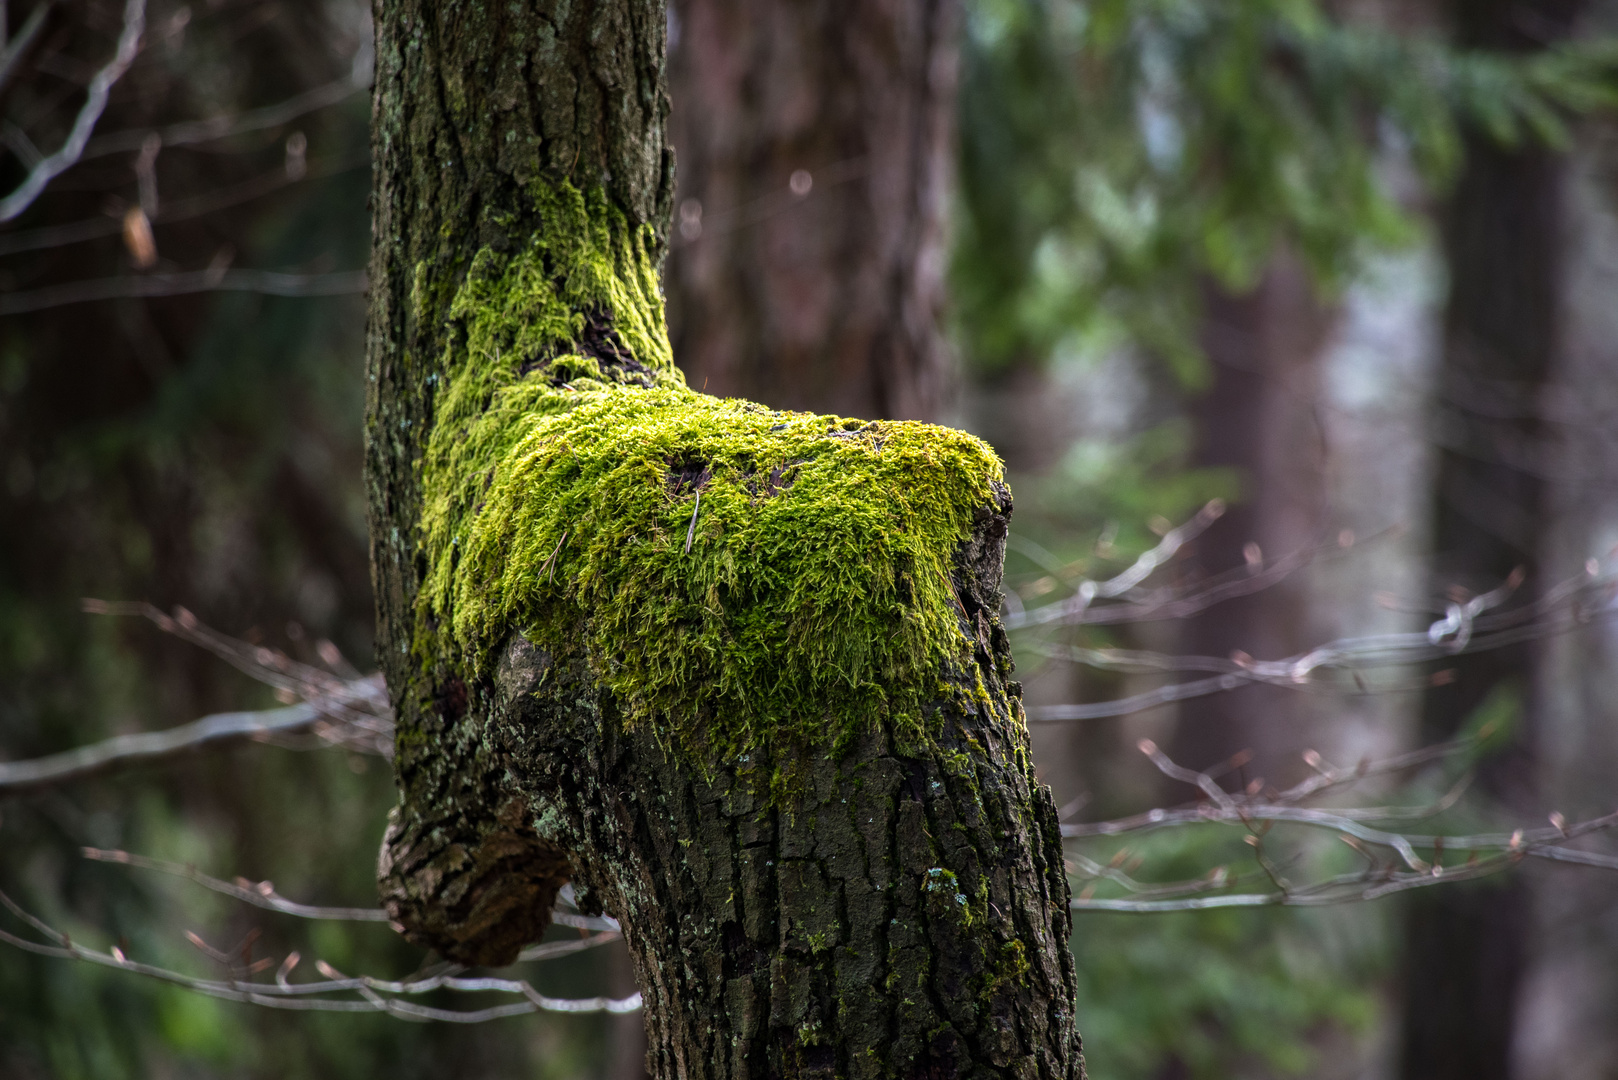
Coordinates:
(874, 905)
(1466, 947)
(473, 102)
(830, 299)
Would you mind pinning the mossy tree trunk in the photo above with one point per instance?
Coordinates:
(736, 673)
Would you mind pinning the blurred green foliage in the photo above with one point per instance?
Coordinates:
(1116, 154)
(1221, 993)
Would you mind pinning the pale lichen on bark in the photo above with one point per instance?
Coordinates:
(736, 673)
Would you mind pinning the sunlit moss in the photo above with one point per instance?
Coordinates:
(735, 575)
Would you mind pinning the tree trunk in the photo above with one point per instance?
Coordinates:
(1466, 947)
(736, 673)
(815, 155)
(1260, 417)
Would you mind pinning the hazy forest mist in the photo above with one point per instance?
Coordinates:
(1295, 323)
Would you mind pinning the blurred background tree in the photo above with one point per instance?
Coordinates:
(1194, 250)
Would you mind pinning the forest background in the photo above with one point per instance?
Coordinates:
(1346, 268)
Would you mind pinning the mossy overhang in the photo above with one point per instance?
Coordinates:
(737, 575)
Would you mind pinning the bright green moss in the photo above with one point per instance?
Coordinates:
(562, 483)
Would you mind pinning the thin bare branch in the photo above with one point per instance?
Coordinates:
(1347, 890)
(1254, 813)
(95, 101)
(1464, 628)
(1075, 607)
(552, 949)
(52, 236)
(284, 994)
(1243, 812)
(1178, 602)
(1148, 699)
(259, 894)
(1326, 779)
(262, 894)
(193, 132)
(341, 283)
(268, 666)
(18, 46)
(126, 750)
(350, 713)
(1083, 867)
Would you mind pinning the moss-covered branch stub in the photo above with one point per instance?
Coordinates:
(738, 575)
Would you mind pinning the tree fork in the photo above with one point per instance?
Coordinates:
(737, 674)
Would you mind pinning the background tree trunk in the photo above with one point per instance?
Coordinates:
(816, 148)
(882, 904)
(1466, 947)
(1260, 417)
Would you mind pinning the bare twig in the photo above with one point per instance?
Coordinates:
(73, 147)
(262, 894)
(1148, 699)
(351, 713)
(192, 132)
(1180, 604)
(1345, 890)
(1075, 607)
(1485, 854)
(342, 283)
(312, 996)
(75, 232)
(1175, 602)
(126, 750)
(552, 949)
(691, 530)
(18, 46)
(1464, 628)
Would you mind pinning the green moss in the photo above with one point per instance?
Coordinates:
(737, 576)
(1010, 971)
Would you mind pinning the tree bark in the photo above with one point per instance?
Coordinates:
(826, 295)
(1466, 947)
(807, 799)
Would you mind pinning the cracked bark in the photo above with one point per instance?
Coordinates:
(892, 910)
